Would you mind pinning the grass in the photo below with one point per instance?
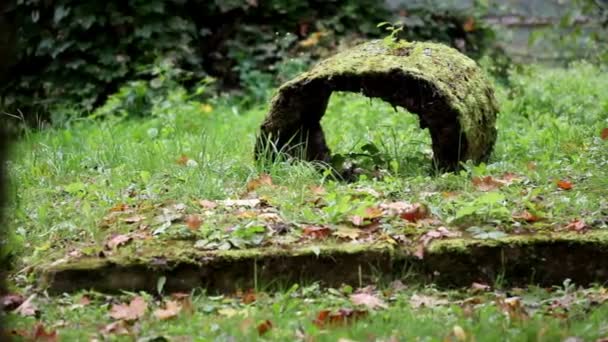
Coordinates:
(66, 182)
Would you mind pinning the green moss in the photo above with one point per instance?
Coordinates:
(444, 87)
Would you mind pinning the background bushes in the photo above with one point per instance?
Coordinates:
(74, 53)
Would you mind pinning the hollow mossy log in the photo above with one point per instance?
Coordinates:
(446, 89)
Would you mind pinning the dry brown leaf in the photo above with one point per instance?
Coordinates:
(129, 312)
(264, 327)
(115, 328)
(133, 219)
(345, 232)
(604, 134)
(27, 308)
(172, 309)
(526, 216)
(120, 207)
(40, 334)
(564, 184)
(251, 203)
(264, 179)
(182, 160)
(316, 232)
(417, 301)
(118, 240)
(486, 183)
(368, 300)
(439, 233)
(206, 204)
(10, 302)
(193, 222)
(578, 226)
(415, 213)
(469, 25)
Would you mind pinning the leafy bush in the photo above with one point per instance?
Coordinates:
(78, 53)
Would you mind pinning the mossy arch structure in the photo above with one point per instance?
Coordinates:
(446, 89)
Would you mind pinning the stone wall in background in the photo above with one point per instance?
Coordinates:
(516, 22)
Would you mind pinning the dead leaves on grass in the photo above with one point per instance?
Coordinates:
(129, 312)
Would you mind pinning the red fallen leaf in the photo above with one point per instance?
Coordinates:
(193, 222)
(340, 318)
(129, 312)
(321, 318)
(118, 240)
(316, 232)
(564, 184)
(182, 160)
(40, 334)
(10, 302)
(526, 216)
(207, 204)
(172, 309)
(604, 134)
(416, 212)
(369, 300)
(469, 25)
(578, 226)
(248, 297)
(264, 179)
(264, 327)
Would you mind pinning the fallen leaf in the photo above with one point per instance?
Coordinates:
(120, 207)
(416, 212)
(513, 308)
(340, 318)
(578, 226)
(129, 312)
(248, 297)
(116, 328)
(469, 25)
(564, 184)
(345, 232)
(264, 179)
(368, 300)
(312, 40)
(604, 134)
(479, 287)
(251, 203)
(182, 160)
(118, 240)
(316, 232)
(84, 301)
(317, 190)
(193, 222)
(459, 333)
(486, 183)
(42, 335)
(133, 219)
(418, 301)
(206, 204)
(526, 216)
(27, 308)
(264, 327)
(10, 302)
(172, 309)
(439, 233)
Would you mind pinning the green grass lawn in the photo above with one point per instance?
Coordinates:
(77, 188)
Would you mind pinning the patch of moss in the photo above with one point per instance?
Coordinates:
(445, 88)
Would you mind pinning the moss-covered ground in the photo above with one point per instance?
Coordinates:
(178, 197)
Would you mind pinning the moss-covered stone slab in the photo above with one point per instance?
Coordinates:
(445, 88)
(545, 259)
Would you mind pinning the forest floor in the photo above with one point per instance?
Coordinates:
(510, 249)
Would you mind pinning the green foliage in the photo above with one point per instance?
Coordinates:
(73, 54)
